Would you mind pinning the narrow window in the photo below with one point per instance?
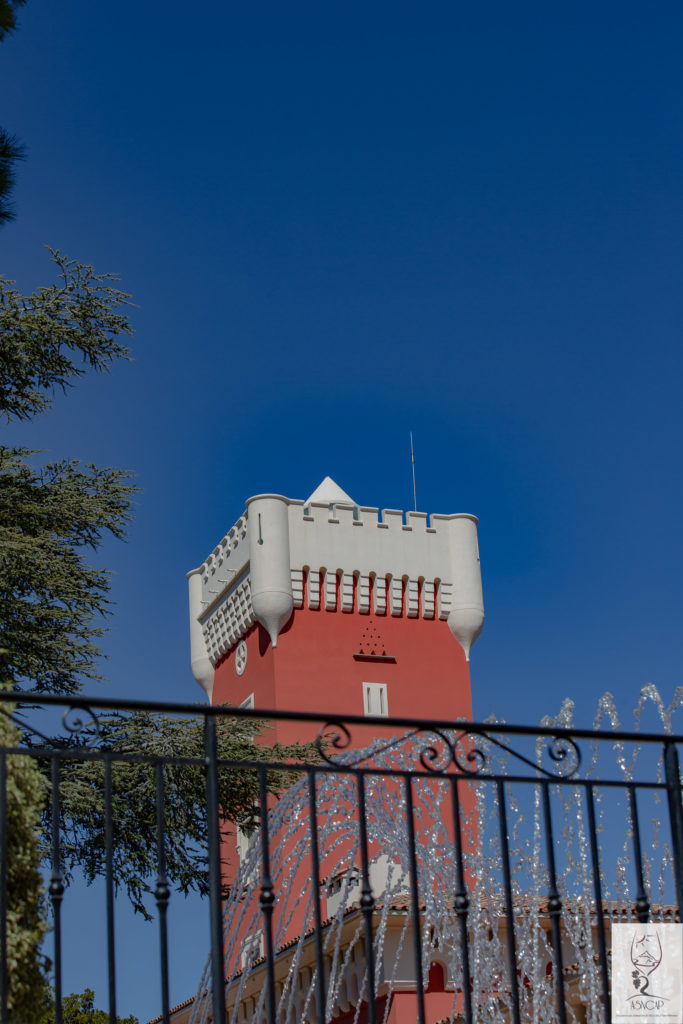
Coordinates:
(245, 839)
(375, 699)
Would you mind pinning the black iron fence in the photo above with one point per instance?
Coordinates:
(471, 870)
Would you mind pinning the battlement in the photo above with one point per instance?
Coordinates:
(347, 557)
(385, 519)
(233, 546)
(229, 558)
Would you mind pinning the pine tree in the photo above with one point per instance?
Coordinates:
(134, 798)
(8, 15)
(10, 150)
(52, 601)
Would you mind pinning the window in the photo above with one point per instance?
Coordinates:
(252, 949)
(248, 840)
(245, 840)
(246, 834)
(375, 699)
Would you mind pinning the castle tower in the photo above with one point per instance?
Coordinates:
(326, 605)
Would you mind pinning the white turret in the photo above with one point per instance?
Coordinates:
(202, 668)
(271, 574)
(466, 616)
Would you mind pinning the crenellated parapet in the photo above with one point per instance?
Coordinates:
(219, 569)
(337, 556)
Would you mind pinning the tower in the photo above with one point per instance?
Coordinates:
(327, 605)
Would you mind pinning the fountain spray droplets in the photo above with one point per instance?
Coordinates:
(347, 980)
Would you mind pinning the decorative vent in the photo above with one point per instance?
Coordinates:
(372, 646)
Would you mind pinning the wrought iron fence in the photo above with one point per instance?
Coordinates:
(472, 869)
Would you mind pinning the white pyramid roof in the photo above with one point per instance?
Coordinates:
(328, 492)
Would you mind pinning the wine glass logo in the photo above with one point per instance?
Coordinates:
(646, 956)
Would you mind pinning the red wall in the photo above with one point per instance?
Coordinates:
(313, 668)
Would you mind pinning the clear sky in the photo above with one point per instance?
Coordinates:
(343, 222)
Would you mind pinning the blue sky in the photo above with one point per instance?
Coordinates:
(343, 222)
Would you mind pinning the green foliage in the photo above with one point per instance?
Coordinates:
(26, 793)
(49, 594)
(8, 15)
(56, 334)
(10, 152)
(134, 797)
(80, 1009)
(51, 600)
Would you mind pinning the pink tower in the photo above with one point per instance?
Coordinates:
(331, 607)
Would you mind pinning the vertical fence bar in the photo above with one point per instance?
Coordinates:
(415, 901)
(162, 892)
(462, 902)
(672, 774)
(267, 899)
(554, 904)
(599, 915)
(213, 828)
(642, 901)
(109, 884)
(509, 908)
(367, 901)
(56, 888)
(4, 980)
(315, 880)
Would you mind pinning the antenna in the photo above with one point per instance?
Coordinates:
(412, 459)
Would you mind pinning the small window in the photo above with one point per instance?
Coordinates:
(248, 702)
(252, 949)
(375, 699)
(245, 840)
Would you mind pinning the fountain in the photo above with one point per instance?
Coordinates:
(437, 901)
